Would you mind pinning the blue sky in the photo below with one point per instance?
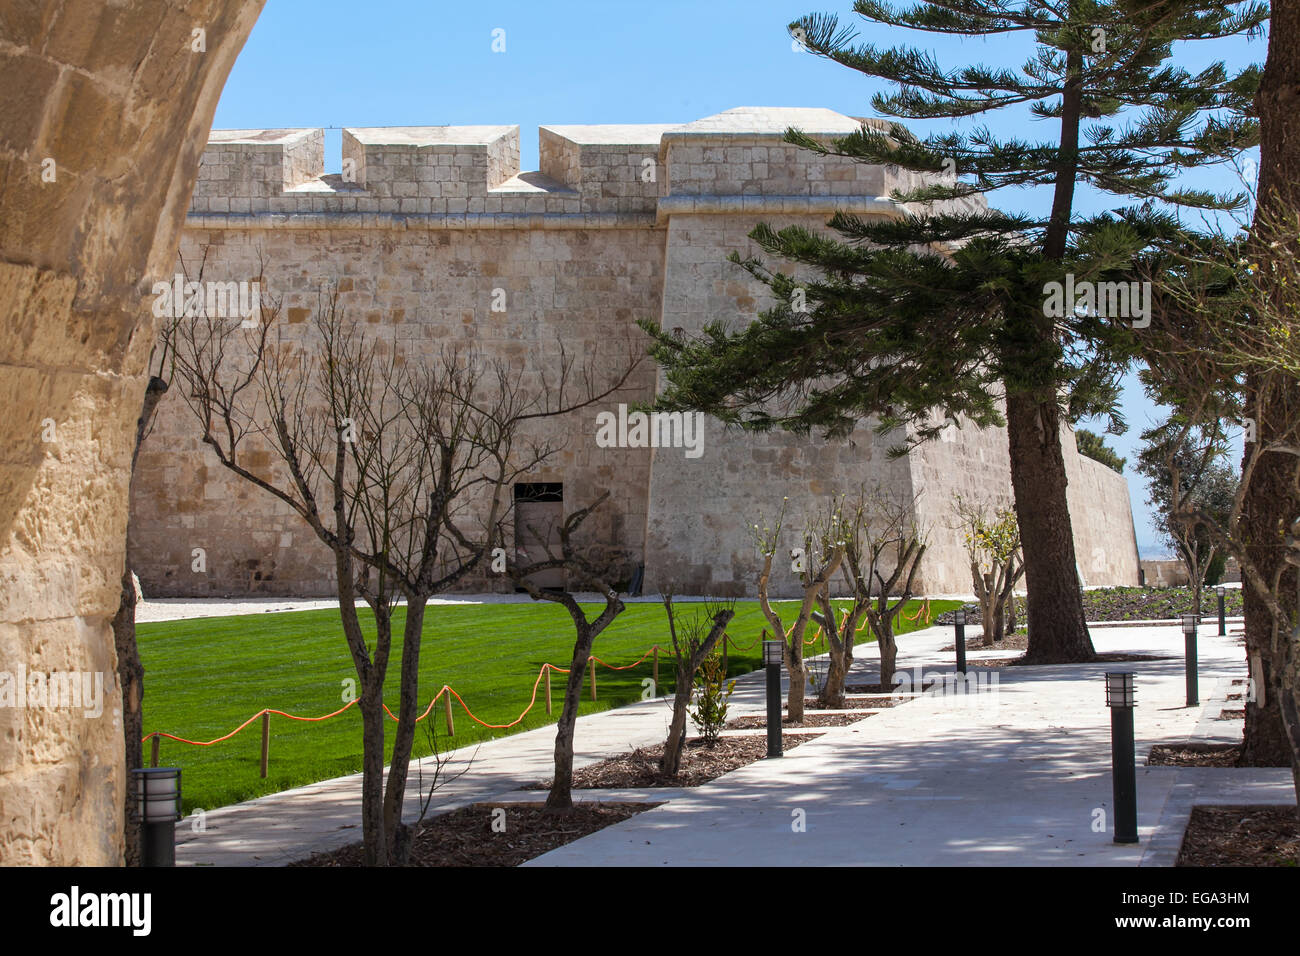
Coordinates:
(323, 63)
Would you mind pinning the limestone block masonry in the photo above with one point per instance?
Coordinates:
(428, 228)
(104, 113)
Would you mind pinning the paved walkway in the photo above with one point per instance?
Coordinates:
(1016, 775)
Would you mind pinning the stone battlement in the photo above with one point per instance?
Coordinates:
(625, 175)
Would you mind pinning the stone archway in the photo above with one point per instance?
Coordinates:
(106, 109)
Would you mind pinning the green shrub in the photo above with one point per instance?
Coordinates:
(712, 689)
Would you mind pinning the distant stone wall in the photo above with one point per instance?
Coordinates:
(425, 292)
(1172, 573)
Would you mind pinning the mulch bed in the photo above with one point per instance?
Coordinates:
(871, 689)
(1099, 659)
(1194, 755)
(1241, 836)
(465, 837)
(1199, 755)
(699, 765)
(1232, 713)
(1010, 642)
(853, 703)
(759, 722)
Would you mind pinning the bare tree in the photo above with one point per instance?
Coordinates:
(441, 774)
(582, 573)
(401, 467)
(693, 638)
(815, 561)
(879, 537)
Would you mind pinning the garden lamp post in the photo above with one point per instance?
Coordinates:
(959, 623)
(772, 659)
(158, 795)
(1190, 621)
(1222, 592)
(1121, 698)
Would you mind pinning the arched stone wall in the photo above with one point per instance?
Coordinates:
(105, 107)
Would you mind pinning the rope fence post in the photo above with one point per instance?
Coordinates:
(726, 658)
(266, 741)
(446, 700)
(591, 662)
(547, 668)
(153, 750)
(656, 675)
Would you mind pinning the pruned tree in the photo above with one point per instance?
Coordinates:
(581, 574)
(401, 467)
(815, 562)
(883, 548)
(992, 540)
(693, 639)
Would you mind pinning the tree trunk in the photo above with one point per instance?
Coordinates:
(671, 760)
(988, 610)
(999, 622)
(1058, 633)
(130, 670)
(1270, 503)
(798, 682)
(888, 657)
(837, 669)
(408, 708)
(130, 673)
(560, 797)
(373, 833)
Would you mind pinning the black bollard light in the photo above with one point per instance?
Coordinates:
(1222, 592)
(1121, 698)
(773, 658)
(158, 793)
(959, 622)
(1190, 622)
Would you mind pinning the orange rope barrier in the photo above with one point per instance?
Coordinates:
(267, 710)
(626, 667)
(925, 606)
(742, 647)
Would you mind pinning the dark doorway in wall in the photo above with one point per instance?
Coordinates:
(539, 512)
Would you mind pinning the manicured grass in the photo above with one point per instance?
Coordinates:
(204, 677)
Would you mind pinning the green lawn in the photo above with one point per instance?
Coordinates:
(205, 677)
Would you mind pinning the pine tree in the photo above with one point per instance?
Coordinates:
(949, 305)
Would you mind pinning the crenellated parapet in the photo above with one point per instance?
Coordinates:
(591, 176)
(431, 162)
(253, 163)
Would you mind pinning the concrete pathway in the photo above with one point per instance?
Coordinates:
(1017, 774)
